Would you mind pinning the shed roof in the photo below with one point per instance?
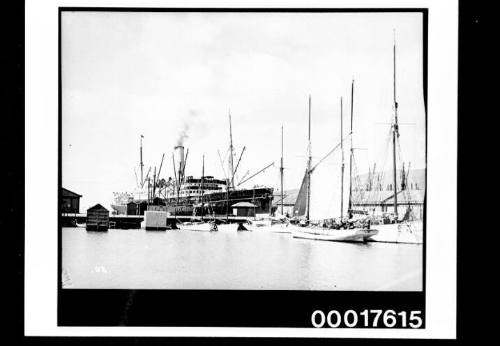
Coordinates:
(97, 206)
(415, 176)
(387, 197)
(407, 196)
(68, 193)
(244, 204)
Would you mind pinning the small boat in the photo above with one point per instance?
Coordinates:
(260, 224)
(320, 233)
(200, 226)
(282, 227)
(276, 226)
(228, 227)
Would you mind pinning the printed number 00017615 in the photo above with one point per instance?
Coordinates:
(367, 318)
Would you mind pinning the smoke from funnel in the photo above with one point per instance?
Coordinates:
(184, 133)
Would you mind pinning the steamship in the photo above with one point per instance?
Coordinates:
(210, 196)
(194, 196)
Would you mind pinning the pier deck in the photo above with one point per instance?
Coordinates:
(134, 221)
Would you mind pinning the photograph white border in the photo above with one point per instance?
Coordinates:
(41, 150)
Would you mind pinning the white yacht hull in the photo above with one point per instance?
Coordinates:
(257, 225)
(347, 235)
(281, 228)
(197, 226)
(268, 226)
(405, 232)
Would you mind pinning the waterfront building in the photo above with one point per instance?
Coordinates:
(374, 193)
(289, 198)
(97, 218)
(70, 201)
(137, 207)
(244, 209)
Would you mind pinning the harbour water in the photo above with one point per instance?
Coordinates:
(174, 259)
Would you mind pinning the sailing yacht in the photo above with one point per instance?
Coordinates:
(316, 232)
(401, 231)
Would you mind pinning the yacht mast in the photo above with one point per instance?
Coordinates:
(201, 184)
(154, 184)
(231, 149)
(309, 161)
(202, 173)
(281, 170)
(141, 163)
(395, 135)
(349, 209)
(342, 166)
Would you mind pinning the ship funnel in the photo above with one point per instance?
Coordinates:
(180, 160)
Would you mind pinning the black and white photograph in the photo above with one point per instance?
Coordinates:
(266, 168)
(243, 150)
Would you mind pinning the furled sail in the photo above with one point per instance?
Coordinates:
(300, 206)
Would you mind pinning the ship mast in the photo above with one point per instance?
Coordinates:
(395, 135)
(231, 149)
(349, 209)
(141, 163)
(154, 185)
(201, 184)
(281, 170)
(309, 161)
(342, 166)
(230, 182)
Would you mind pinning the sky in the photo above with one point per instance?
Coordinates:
(164, 74)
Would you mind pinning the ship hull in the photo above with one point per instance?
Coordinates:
(341, 235)
(219, 204)
(214, 204)
(197, 226)
(268, 226)
(258, 225)
(403, 233)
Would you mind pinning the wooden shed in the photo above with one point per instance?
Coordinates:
(244, 209)
(97, 218)
(157, 201)
(70, 201)
(137, 207)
